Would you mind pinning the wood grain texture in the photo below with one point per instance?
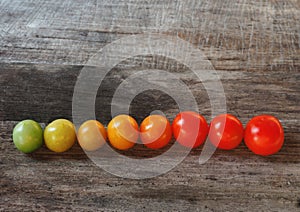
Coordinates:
(253, 45)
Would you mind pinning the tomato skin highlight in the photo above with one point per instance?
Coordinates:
(60, 135)
(226, 132)
(123, 132)
(155, 131)
(28, 136)
(91, 135)
(190, 129)
(264, 135)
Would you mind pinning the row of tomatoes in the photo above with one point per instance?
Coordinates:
(263, 134)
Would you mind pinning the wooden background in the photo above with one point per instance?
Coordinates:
(253, 45)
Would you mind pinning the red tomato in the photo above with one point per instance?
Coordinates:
(190, 129)
(156, 131)
(264, 135)
(226, 131)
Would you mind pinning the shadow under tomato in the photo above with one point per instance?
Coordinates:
(75, 153)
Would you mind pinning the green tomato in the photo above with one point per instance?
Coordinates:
(28, 136)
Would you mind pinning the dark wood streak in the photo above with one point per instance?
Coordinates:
(254, 47)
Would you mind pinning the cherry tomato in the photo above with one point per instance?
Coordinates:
(28, 136)
(156, 131)
(123, 132)
(190, 129)
(60, 135)
(264, 135)
(91, 135)
(226, 131)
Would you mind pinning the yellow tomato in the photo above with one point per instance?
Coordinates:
(60, 135)
(122, 132)
(91, 135)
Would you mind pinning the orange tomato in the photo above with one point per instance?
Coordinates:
(156, 131)
(91, 135)
(122, 132)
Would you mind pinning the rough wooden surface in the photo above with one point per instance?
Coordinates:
(253, 45)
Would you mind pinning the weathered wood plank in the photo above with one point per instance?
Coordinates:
(26, 88)
(253, 45)
(235, 179)
(240, 174)
(260, 35)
